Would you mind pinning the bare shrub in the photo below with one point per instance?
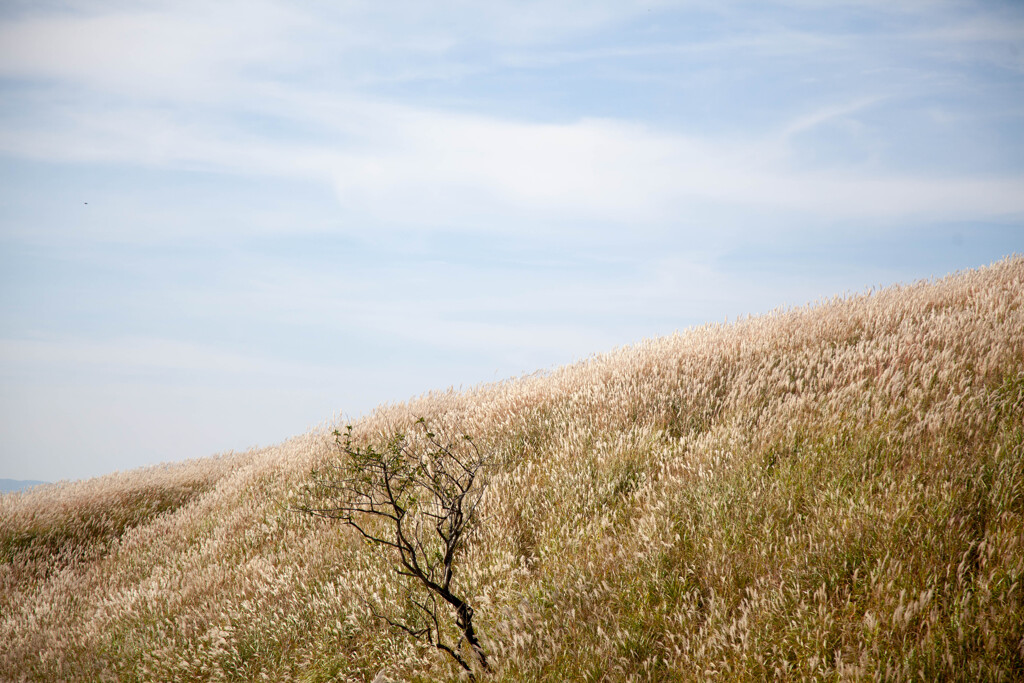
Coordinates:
(418, 498)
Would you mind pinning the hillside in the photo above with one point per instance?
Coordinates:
(833, 492)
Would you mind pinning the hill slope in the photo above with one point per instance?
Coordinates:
(835, 491)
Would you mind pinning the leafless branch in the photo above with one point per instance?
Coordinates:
(420, 504)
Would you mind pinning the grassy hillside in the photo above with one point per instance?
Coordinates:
(834, 492)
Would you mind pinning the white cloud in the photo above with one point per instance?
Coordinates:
(162, 52)
(177, 86)
(826, 114)
(404, 165)
(197, 49)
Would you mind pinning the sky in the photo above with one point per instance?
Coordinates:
(223, 224)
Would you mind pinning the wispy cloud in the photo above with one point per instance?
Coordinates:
(130, 70)
(397, 165)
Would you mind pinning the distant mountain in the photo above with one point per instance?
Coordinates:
(9, 485)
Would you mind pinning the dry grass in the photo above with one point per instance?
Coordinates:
(834, 492)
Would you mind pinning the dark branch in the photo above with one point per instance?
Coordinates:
(428, 502)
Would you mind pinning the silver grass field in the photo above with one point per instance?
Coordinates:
(834, 492)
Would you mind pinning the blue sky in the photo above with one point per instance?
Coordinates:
(222, 224)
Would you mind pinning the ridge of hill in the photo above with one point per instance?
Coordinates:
(834, 491)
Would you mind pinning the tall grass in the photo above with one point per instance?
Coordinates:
(829, 493)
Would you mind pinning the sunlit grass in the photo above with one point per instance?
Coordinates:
(834, 492)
